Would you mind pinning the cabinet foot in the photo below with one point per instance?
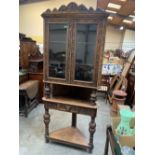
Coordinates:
(46, 140)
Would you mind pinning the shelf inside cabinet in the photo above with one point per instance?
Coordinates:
(36, 60)
(70, 101)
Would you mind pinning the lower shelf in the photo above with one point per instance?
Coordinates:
(69, 136)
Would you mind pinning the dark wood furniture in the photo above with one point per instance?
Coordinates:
(32, 60)
(23, 77)
(38, 76)
(70, 135)
(27, 47)
(28, 96)
(36, 70)
(73, 41)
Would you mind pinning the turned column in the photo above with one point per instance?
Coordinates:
(46, 121)
(93, 97)
(26, 105)
(92, 129)
(74, 119)
(47, 90)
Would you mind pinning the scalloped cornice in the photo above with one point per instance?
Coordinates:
(73, 7)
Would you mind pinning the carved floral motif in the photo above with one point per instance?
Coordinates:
(72, 7)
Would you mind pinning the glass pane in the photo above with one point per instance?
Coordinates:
(85, 50)
(57, 50)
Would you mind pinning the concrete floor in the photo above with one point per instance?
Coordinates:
(31, 131)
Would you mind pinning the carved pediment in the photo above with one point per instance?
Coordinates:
(73, 7)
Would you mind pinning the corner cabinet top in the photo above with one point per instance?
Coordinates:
(72, 9)
(74, 39)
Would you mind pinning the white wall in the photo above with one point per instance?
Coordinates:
(129, 40)
(31, 23)
(113, 38)
(122, 39)
(30, 20)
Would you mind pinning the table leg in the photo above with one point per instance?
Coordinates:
(46, 121)
(92, 129)
(26, 105)
(74, 118)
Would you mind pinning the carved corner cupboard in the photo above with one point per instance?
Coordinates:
(73, 45)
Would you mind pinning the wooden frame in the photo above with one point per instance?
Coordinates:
(128, 64)
(116, 84)
(47, 55)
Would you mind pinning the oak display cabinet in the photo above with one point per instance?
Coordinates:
(73, 45)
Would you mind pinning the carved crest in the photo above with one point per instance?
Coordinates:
(73, 7)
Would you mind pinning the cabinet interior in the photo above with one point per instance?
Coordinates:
(72, 92)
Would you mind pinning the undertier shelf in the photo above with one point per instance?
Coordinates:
(69, 136)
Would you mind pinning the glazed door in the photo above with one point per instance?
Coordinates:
(84, 55)
(58, 52)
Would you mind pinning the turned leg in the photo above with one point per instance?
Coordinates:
(47, 90)
(106, 95)
(92, 129)
(37, 99)
(93, 97)
(74, 118)
(46, 121)
(26, 105)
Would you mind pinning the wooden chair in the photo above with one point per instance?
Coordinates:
(128, 63)
(28, 96)
(117, 83)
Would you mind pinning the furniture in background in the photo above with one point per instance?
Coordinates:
(23, 76)
(28, 94)
(73, 41)
(32, 60)
(118, 82)
(129, 73)
(27, 46)
(104, 86)
(38, 76)
(111, 67)
(36, 70)
(129, 62)
(118, 98)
